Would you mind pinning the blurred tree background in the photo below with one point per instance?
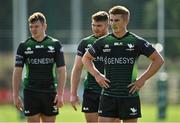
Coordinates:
(58, 13)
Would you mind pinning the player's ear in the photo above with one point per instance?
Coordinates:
(107, 23)
(45, 26)
(127, 20)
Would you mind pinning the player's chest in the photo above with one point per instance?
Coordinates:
(120, 49)
(39, 51)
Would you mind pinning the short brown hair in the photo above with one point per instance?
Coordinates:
(122, 10)
(37, 16)
(100, 16)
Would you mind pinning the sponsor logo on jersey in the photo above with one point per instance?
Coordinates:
(120, 60)
(41, 60)
(26, 111)
(39, 46)
(100, 111)
(106, 48)
(133, 111)
(147, 44)
(28, 51)
(118, 44)
(99, 58)
(51, 49)
(130, 47)
(85, 108)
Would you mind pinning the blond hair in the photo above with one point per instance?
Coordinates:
(37, 16)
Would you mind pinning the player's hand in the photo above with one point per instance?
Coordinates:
(59, 101)
(18, 103)
(135, 86)
(102, 80)
(74, 101)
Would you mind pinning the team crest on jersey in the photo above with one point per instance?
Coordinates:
(55, 109)
(51, 49)
(130, 47)
(88, 46)
(28, 48)
(133, 111)
(28, 51)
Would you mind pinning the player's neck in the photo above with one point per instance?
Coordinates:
(103, 34)
(39, 38)
(121, 33)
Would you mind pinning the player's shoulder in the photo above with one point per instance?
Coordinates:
(86, 39)
(26, 41)
(136, 37)
(141, 41)
(104, 38)
(52, 39)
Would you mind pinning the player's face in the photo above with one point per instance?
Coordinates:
(37, 29)
(118, 23)
(99, 28)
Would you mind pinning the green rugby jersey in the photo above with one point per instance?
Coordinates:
(41, 60)
(120, 60)
(90, 82)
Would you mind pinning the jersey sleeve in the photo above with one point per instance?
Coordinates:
(145, 47)
(96, 49)
(59, 58)
(20, 57)
(81, 49)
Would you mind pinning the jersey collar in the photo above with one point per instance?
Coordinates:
(40, 41)
(127, 33)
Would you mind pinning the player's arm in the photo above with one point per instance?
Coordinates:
(75, 79)
(88, 62)
(61, 76)
(16, 81)
(157, 62)
(17, 76)
(76, 73)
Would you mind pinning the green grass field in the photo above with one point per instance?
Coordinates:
(9, 114)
